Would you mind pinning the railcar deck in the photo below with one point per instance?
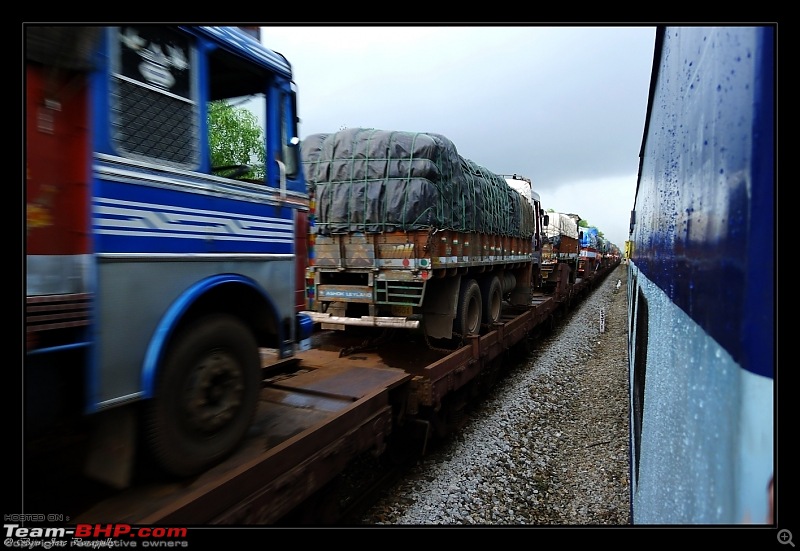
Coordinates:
(320, 410)
(310, 422)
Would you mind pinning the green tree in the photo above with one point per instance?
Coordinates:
(235, 138)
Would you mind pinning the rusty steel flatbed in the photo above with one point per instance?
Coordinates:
(308, 426)
(321, 409)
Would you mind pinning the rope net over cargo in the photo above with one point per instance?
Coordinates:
(373, 181)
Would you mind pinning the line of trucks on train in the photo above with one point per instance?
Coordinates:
(407, 233)
(167, 309)
(466, 298)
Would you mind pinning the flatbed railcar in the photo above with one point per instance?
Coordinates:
(321, 409)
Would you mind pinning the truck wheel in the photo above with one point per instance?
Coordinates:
(468, 314)
(206, 395)
(492, 294)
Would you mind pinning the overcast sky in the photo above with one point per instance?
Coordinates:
(563, 106)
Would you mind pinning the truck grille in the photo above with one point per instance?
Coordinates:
(404, 293)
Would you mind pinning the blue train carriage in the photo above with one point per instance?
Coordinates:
(188, 268)
(701, 281)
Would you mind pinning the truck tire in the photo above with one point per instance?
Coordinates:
(206, 395)
(468, 313)
(492, 294)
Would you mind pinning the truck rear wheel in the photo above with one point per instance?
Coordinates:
(492, 294)
(468, 313)
(206, 396)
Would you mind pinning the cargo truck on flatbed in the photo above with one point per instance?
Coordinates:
(560, 251)
(410, 234)
(154, 274)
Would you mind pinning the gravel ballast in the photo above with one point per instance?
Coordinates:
(548, 446)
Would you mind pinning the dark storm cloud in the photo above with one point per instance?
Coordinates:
(564, 106)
